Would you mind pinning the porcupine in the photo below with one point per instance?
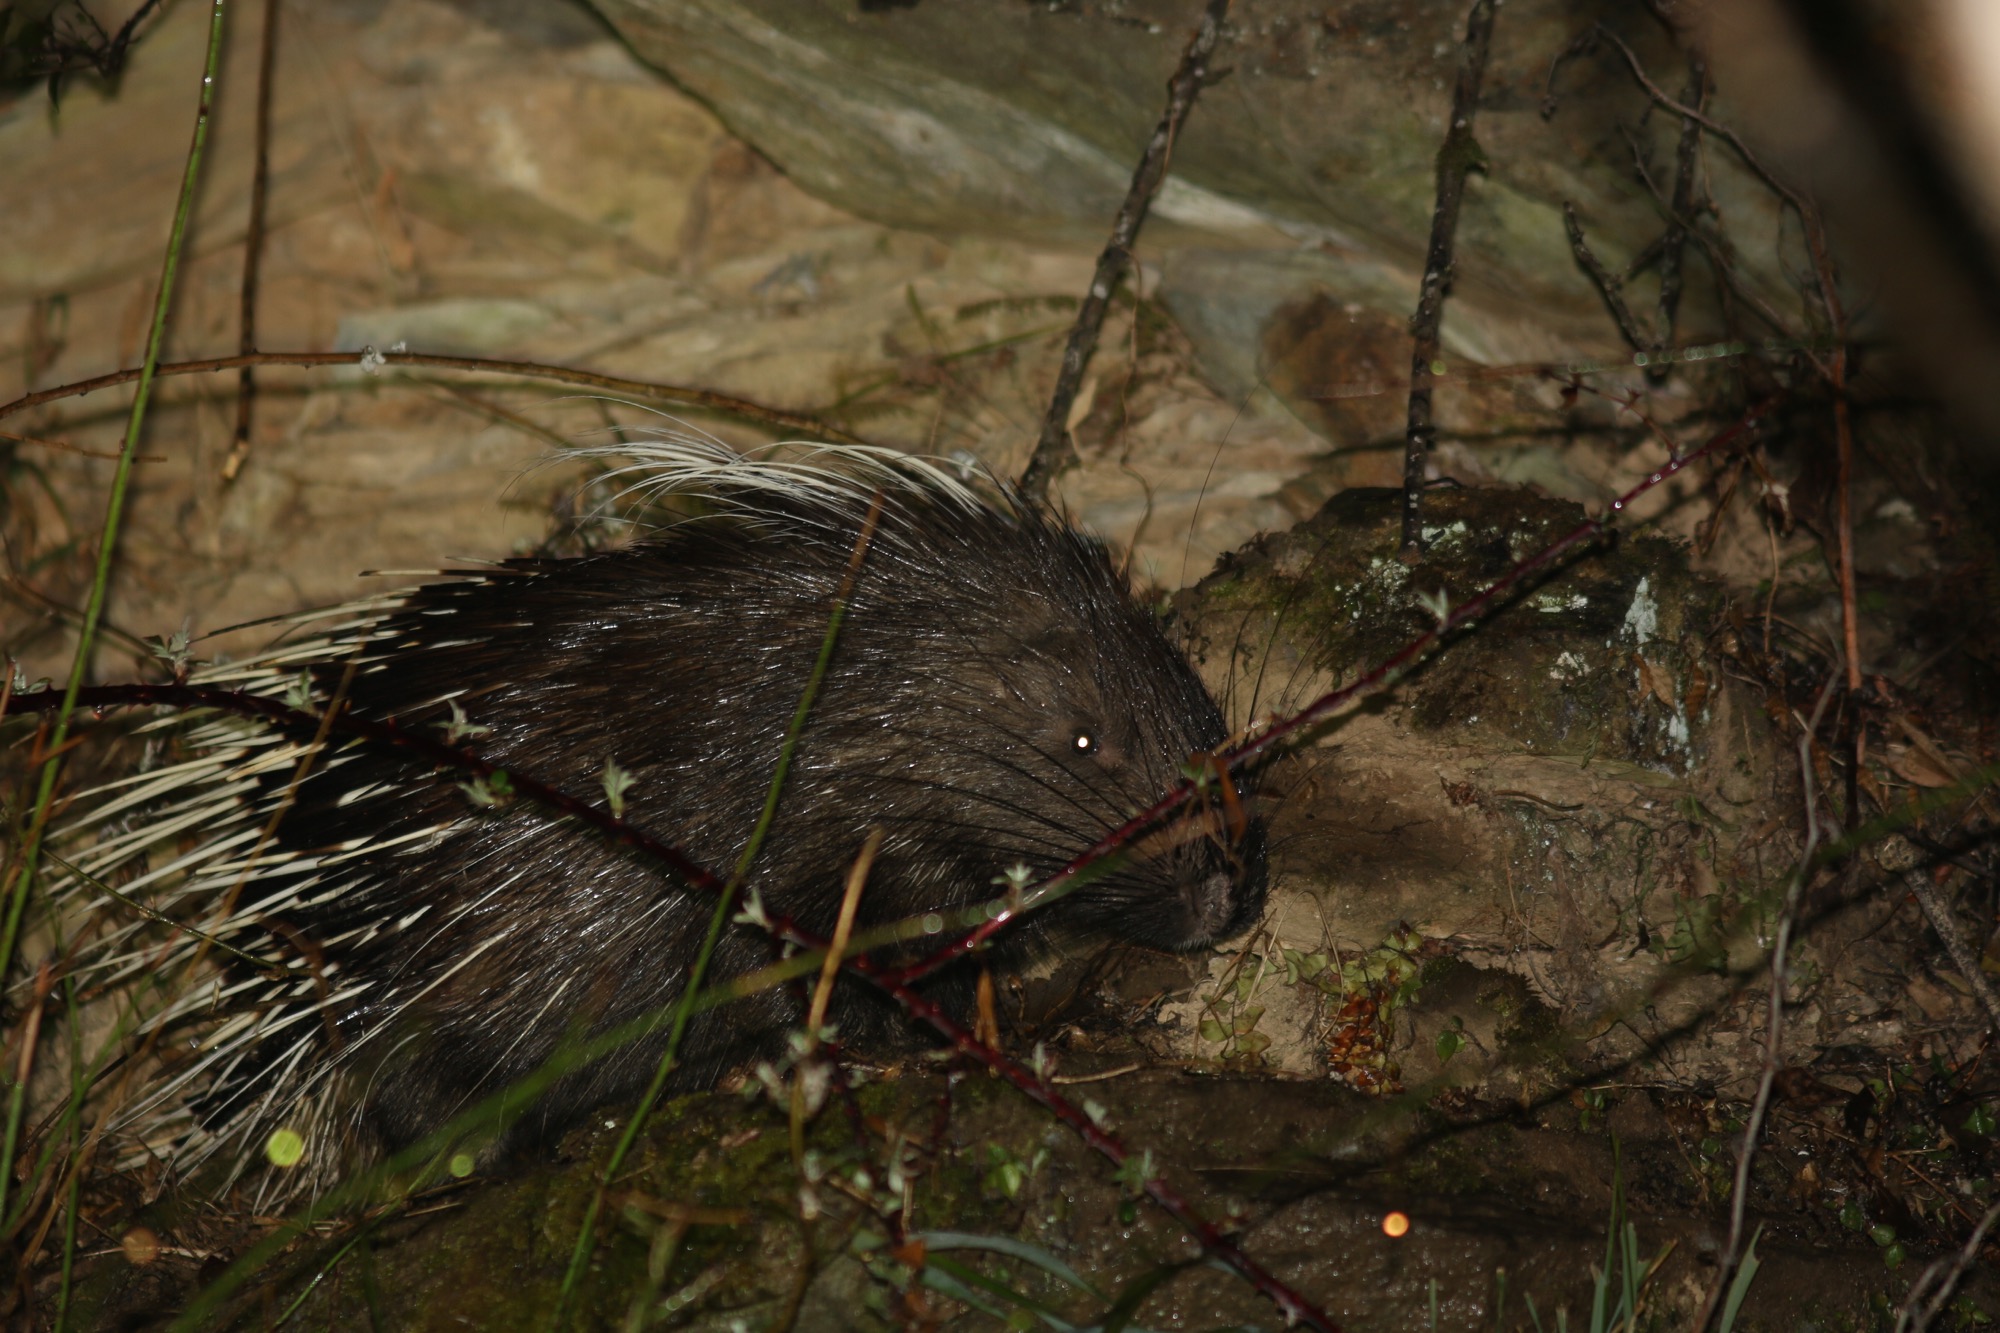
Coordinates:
(995, 699)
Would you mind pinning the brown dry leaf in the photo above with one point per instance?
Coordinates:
(1865, 778)
(1697, 690)
(1913, 766)
(1656, 681)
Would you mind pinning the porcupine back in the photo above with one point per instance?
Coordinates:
(995, 698)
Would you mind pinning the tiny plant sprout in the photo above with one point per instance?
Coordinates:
(617, 781)
(1015, 879)
(299, 694)
(489, 792)
(173, 650)
(1134, 1172)
(1437, 603)
(1098, 1115)
(458, 729)
(753, 913)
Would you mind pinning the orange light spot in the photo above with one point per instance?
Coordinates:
(1395, 1224)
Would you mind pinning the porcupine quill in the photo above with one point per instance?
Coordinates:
(995, 699)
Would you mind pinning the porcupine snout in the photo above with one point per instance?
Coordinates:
(1227, 899)
(1213, 872)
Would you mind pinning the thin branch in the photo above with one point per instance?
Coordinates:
(1774, 1022)
(369, 358)
(1941, 1279)
(1054, 450)
(1609, 286)
(1938, 912)
(1701, 118)
(1836, 375)
(253, 248)
(66, 446)
(1458, 155)
(1674, 244)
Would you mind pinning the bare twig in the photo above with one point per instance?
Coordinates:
(1938, 912)
(829, 971)
(253, 248)
(1701, 118)
(1609, 285)
(1457, 155)
(1938, 1281)
(73, 448)
(1673, 245)
(1835, 369)
(1054, 450)
(720, 403)
(1774, 1023)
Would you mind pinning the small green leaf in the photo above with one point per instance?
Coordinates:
(1449, 1043)
(457, 728)
(617, 781)
(173, 649)
(1134, 1172)
(1982, 1122)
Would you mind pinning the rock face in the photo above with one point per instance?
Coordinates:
(1565, 792)
(1321, 127)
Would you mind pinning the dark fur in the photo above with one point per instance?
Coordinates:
(979, 645)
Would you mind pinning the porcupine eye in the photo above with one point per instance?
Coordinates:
(1084, 741)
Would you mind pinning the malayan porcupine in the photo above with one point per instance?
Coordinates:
(995, 699)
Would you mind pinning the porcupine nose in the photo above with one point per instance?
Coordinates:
(1230, 896)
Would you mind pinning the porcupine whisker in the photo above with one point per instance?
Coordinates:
(1011, 807)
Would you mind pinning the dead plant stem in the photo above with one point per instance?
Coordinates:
(253, 247)
(371, 359)
(1938, 1281)
(1054, 450)
(1938, 912)
(836, 949)
(1457, 157)
(1774, 1025)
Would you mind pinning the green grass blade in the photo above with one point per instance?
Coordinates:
(1739, 1286)
(107, 548)
(725, 903)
